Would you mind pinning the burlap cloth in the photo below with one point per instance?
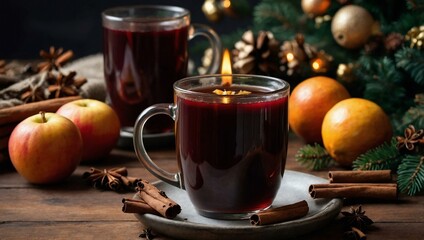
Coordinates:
(90, 67)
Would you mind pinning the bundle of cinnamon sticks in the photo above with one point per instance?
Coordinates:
(376, 184)
(152, 200)
(10, 117)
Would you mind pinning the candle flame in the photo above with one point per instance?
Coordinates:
(226, 68)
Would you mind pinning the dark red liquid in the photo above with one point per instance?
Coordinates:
(140, 69)
(231, 155)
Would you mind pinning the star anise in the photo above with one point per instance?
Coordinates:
(64, 85)
(411, 140)
(356, 218)
(115, 179)
(54, 59)
(33, 94)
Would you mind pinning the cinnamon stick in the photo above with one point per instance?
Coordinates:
(157, 199)
(341, 185)
(137, 206)
(20, 112)
(280, 214)
(359, 190)
(375, 176)
(361, 235)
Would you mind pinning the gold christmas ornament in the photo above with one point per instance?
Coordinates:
(315, 7)
(345, 72)
(416, 36)
(212, 10)
(352, 25)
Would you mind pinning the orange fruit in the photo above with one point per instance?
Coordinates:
(352, 127)
(308, 104)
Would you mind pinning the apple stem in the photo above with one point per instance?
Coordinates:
(43, 116)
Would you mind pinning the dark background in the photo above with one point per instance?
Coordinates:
(27, 26)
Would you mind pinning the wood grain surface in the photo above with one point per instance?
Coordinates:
(74, 210)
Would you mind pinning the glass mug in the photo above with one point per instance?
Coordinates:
(145, 52)
(231, 149)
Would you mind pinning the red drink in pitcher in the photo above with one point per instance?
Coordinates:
(235, 152)
(140, 69)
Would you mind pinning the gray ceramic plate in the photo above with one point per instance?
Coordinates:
(151, 141)
(190, 225)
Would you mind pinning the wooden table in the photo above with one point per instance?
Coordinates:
(74, 210)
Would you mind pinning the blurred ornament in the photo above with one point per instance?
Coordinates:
(206, 61)
(322, 19)
(322, 62)
(315, 7)
(215, 10)
(345, 72)
(352, 26)
(256, 54)
(416, 37)
(227, 7)
(212, 10)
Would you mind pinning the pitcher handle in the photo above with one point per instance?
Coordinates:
(161, 108)
(215, 42)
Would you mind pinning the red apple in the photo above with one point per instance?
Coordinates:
(98, 123)
(45, 148)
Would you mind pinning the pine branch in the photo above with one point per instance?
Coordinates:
(411, 174)
(414, 115)
(412, 61)
(279, 14)
(314, 157)
(385, 156)
(383, 84)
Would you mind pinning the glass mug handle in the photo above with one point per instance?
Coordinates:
(215, 42)
(161, 108)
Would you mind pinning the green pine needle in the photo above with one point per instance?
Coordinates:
(314, 157)
(411, 174)
(412, 61)
(385, 156)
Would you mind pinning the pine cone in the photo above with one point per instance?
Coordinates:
(294, 53)
(257, 55)
(393, 41)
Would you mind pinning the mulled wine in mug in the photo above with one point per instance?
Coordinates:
(231, 142)
(145, 52)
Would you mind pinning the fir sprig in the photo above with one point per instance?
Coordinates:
(385, 156)
(411, 174)
(414, 116)
(314, 157)
(383, 84)
(412, 61)
(271, 14)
